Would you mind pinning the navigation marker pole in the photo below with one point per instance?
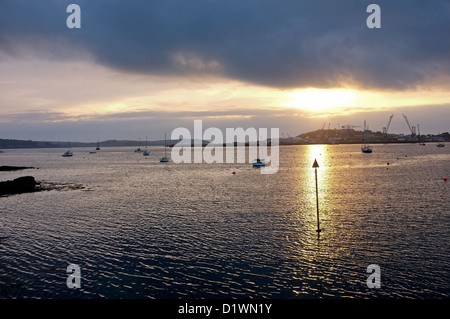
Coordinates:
(316, 166)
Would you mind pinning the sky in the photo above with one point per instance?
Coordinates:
(139, 69)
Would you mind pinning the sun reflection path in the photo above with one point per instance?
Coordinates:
(320, 154)
(316, 166)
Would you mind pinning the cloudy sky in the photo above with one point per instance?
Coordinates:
(139, 69)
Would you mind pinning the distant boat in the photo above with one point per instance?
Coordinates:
(440, 145)
(138, 150)
(259, 163)
(423, 144)
(146, 153)
(67, 154)
(164, 159)
(92, 152)
(366, 147)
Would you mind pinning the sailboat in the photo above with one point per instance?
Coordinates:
(68, 153)
(96, 149)
(259, 162)
(164, 159)
(138, 150)
(145, 153)
(366, 148)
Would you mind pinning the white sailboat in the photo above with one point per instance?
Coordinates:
(164, 159)
(366, 147)
(146, 152)
(68, 153)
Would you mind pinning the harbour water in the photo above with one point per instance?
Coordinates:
(138, 228)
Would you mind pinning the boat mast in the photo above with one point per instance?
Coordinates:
(365, 135)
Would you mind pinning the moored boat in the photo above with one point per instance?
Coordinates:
(366, 147)
(164, 159)
(259, 163)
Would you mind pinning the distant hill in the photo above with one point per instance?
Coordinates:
(334, 136)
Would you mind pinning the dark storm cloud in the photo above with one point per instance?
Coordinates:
(278, 43)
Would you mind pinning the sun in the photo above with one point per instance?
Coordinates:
(317, 100)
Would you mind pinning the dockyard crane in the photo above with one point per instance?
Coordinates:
(385, 129)
(418, 133)
(326, 134)
(411, 128)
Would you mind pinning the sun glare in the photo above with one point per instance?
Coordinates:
(316, 100)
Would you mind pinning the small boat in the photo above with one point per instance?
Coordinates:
(67, 154)
(92, 152)
(423, 144)
(259, 162)
(440, 145)
(164, 159)
(366, 148)
(139, 150)
(145, 152)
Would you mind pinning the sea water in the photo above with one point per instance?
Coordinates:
(138, 228)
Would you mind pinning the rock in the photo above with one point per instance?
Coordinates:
(19, 185)
(12, 168)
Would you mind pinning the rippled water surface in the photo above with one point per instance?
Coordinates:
(143, 229)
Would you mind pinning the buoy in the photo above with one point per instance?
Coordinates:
(234, 172)
(445, 179)
(397, 157)
(388, 163)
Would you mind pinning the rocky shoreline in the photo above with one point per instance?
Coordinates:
(24, 184)
(13, 168)
(28, 184)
